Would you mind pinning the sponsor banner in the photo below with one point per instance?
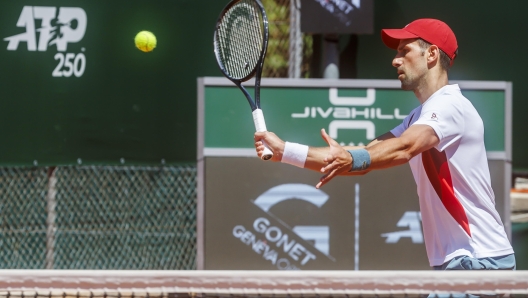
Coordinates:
(352, 116)
(275, 219)
(269, 216)
(256, 215)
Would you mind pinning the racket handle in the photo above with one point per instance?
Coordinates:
(267, 154)
(260, 125)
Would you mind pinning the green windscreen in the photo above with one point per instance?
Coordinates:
(76, 90)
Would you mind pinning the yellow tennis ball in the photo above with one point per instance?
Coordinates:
(145, 41)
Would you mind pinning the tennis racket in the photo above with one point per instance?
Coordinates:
(240, 43)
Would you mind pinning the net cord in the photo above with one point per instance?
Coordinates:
(266, 282)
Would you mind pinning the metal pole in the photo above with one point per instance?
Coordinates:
(296, 41)
(331, 56)
(51, 216)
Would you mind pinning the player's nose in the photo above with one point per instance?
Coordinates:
(396, 62)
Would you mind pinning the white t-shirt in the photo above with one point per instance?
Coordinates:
(454, 186)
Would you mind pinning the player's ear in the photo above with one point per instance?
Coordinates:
(433, 54)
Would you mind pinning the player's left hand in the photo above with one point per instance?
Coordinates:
(337, 161)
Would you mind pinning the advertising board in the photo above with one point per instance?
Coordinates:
(263, 216)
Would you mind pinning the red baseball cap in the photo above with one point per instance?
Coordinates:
(433, 31)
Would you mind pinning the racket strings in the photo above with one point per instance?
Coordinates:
(240, 39)
(242, 36)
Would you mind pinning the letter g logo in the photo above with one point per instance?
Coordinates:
(320, 235)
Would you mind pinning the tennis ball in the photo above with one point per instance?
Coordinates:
(145, 41)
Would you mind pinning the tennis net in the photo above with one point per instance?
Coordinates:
(172, 284)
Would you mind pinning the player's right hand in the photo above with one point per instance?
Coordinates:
(274, 143)
(337, 161)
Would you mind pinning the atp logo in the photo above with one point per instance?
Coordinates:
(58, 28)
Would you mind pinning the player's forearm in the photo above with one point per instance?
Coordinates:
(393, 152)
(396, 151)
(314, 160)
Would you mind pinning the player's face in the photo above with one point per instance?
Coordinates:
(411, 64)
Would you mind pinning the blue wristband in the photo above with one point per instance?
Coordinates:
(360, 159)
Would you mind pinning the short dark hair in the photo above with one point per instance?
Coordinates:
(445, 61)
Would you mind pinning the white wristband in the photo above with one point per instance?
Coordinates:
(295, 154)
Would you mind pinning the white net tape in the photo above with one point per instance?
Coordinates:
(110, 283)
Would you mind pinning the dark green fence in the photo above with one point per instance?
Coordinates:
(98, 217)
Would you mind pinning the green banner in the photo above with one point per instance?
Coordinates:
(76, 90)
(351, 115)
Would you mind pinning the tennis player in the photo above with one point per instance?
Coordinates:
(442, 140)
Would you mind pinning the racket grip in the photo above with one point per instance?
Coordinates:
(260, 125)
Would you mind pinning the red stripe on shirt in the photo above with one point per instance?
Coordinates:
(437, 169)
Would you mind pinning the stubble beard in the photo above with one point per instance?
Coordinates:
(409, 83)
(414, 78)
